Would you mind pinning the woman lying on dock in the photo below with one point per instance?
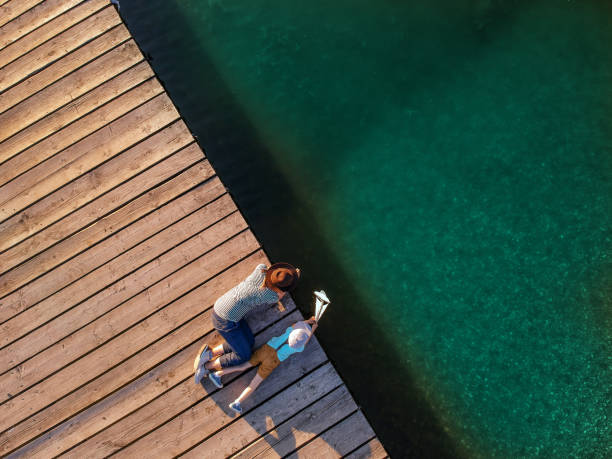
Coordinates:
(268, 357)
(263, 286)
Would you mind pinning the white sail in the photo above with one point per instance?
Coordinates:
(321, 303)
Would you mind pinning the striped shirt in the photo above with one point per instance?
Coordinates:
(245, 296)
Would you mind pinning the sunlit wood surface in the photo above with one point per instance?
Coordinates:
(116, 237)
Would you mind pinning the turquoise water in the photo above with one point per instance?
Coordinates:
(444, 170)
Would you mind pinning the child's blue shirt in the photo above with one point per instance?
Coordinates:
(283, 350)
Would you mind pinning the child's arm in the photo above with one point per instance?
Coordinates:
(313, 326)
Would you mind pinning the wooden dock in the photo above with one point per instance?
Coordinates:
(116, 237)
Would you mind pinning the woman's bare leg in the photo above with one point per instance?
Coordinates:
(213, 365)
(217, 350)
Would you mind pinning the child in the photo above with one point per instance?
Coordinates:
(268, 357)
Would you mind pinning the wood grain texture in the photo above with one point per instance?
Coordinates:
(67, 89)
(59, 129)
(285, 437)
(58, 47)
(123, 239)
(115, 126)
(61, 68)
(13, 8)
(90, 185)
(101, 229)
(42, 23)
(371, 450)
(341, 439)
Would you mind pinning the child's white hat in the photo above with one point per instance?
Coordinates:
(298, 338)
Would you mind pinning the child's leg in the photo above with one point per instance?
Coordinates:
(255, 382)
(234, 369)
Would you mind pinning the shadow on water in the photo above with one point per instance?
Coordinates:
(362, 353)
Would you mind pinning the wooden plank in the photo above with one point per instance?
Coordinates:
(85, 126)
(293, 433)
(19, 36)
(58, 47)
(93, 184)
(93, 283)
(57, 285)
(94, 233)
(97, 333)
(173, 376)
(52, 124)
(339, 440)
(92, 151)
(68, 88)
(212, 414)
(54, 72)
(292, 421)
(371, 450)
(179, 367)
(14, 8)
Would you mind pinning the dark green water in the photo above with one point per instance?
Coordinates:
(444, 170)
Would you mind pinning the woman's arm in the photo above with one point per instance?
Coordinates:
(281, 306)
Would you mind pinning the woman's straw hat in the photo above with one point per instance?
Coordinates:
(282, 276)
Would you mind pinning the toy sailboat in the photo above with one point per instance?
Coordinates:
(321, 303)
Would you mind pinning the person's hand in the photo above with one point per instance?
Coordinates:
(311, 321)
